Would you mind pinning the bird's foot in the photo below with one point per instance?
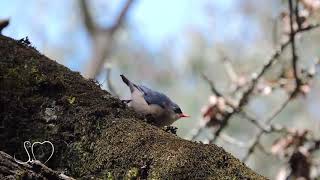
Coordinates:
(170, 129)
(126, 101)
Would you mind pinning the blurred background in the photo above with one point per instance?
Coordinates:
(169, 46)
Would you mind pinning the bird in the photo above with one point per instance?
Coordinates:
(148, 102)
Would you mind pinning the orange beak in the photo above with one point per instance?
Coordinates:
(183, 115)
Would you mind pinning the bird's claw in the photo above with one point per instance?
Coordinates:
(170, 129)
(126, 101)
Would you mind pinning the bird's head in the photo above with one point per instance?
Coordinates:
(176, 112)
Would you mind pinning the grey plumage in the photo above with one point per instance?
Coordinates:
(150, 102)
(154, 97)
(151, 96)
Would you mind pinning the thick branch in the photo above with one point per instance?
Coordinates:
(10, 169)
(94, 134)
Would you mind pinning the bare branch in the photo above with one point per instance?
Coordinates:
(230, 70)
(87, 18)
(196, 132)
(280, 109)
(229, 103)
(92, 26)
(3, 23)
(298, 82)
(233, 141)
(102, 39)
(256, 140)
(254, 121)
(293, 46)
(246, 95)
(211, 84)
(119, 20)
(296, 13)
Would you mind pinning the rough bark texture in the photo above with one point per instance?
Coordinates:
(93, 133)
(10, 169)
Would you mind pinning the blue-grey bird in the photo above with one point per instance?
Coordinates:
(149, 102)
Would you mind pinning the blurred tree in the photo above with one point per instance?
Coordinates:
(102, 38)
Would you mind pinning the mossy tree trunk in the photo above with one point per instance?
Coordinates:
(93, 133)
(11, 170)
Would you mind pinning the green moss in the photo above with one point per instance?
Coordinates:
(132, 174)
(71, 99)
(35, 76)
(21, 175)
(25, 74)
(13, 73)
(108, 176)
(97, 133)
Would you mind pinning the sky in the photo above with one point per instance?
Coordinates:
(162, 19)
(52, 23)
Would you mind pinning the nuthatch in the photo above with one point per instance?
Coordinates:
(148, 102)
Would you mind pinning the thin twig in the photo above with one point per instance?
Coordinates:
(264, 150)
(296, 13)
(229, 103)
(229, 69)
(212, 86)
(233, 141)
(272, 128)
(196, 132)
(293, 45)
(298, 81)
(254, 121)
(256, 140)
(246, 95)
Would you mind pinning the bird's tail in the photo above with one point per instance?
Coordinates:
(128, 83)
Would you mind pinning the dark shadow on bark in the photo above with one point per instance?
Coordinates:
(9, 169)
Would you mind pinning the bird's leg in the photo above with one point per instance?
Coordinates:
(126, 101)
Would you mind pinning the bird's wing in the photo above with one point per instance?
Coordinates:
(154, 97)
(131, 85)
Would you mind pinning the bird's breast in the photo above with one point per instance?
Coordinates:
(138, 102)
(161, 116)
(140, 105)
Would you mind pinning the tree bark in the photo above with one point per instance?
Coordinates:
(93, 133)
(10, 169)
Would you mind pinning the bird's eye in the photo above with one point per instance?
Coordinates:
(177, 111)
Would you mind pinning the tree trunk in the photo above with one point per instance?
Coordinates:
(93, 133)
(10, 169)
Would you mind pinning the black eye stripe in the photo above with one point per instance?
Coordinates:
(177, 110)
